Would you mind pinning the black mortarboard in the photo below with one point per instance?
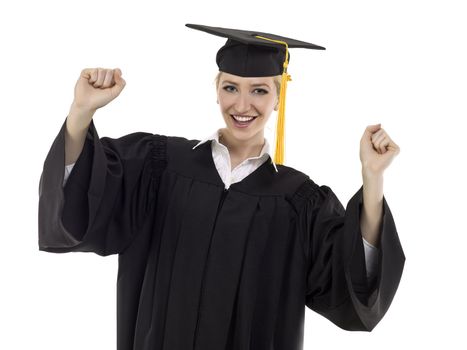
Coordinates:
(248, 56)
(256, 54)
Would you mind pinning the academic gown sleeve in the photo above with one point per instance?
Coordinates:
(336, 280)
(107, 196)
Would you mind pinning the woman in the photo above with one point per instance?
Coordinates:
(220, 248)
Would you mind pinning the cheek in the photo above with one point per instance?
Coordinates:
(225, 102)
(266, 104)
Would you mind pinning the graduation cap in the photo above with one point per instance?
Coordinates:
(256, 54)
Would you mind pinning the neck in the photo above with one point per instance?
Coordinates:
(242, 149)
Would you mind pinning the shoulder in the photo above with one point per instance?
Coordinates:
(307, 191)
(180, 148)
(288, 179)
(304, 183)
(159, 145)
(180, 143)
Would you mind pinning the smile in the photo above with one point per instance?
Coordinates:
(242, 118)
(242, 121)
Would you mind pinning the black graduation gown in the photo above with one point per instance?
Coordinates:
(205, 268)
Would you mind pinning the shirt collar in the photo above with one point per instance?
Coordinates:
(265, 150)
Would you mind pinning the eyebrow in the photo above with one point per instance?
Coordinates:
(231, 82)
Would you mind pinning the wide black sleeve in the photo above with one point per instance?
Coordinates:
(107, 196)
(337, 286)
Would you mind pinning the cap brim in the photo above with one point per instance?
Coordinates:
(248, 37)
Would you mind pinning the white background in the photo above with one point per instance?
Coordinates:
(399, 63)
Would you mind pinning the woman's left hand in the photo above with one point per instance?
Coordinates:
(377, 150)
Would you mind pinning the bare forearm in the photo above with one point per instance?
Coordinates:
(77, 124)
(372, 211)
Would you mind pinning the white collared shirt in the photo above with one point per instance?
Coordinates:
(221, 157)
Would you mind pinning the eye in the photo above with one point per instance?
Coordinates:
(226, 88)
(261, 91)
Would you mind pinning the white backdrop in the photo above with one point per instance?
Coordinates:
(400, 63)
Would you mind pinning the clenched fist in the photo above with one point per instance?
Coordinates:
(96, 87)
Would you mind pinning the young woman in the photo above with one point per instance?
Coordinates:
(220, 247)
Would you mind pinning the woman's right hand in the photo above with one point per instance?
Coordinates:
(96, 87)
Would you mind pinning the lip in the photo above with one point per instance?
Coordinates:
(239, 125)
(243, 115)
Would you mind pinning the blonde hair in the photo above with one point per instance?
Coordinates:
(277, 82)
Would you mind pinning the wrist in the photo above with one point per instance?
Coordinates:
(79, 118)
(369, 174)
(81, 110)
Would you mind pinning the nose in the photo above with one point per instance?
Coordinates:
(243, 103)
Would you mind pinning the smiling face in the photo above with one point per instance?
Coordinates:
(246, 96)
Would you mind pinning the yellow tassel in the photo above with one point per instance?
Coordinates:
(280, 129)
(280, 125)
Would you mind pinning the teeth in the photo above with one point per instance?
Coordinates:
(242, 119)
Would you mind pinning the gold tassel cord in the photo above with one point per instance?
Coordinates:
(280, 130)
(280, 126)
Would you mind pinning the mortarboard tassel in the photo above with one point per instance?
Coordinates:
(280, 125)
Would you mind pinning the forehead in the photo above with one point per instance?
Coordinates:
(236, 79)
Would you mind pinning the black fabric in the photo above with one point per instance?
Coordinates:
(201, 267)
(250, 60)
(245, 55)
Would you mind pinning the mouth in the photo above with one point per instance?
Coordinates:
(242, 121)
